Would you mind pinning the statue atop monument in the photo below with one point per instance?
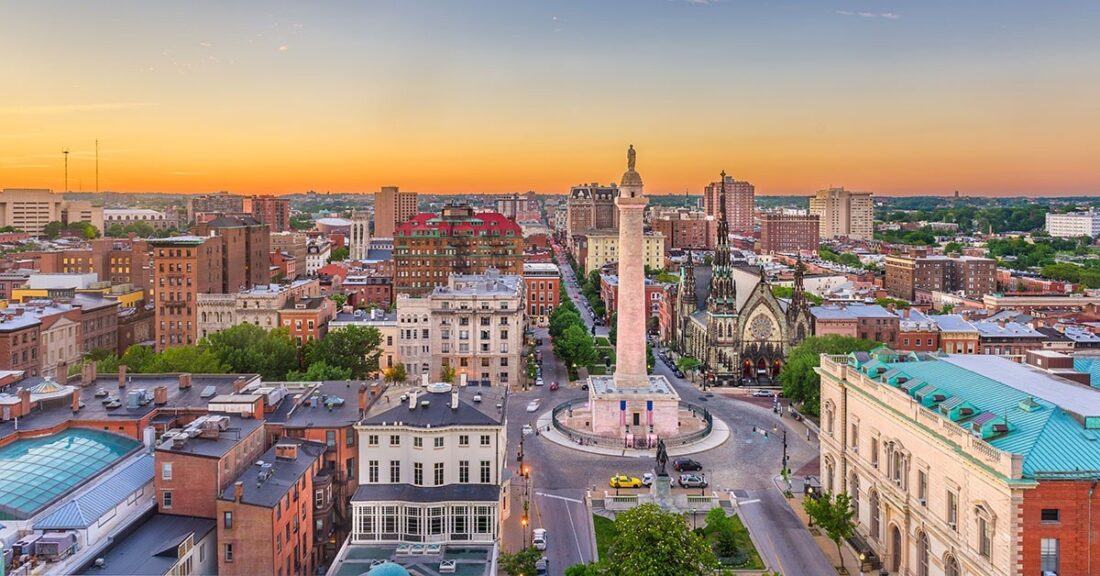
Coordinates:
(662, 458)
(630, 158)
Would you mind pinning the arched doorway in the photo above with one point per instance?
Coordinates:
(777, 366)
(895, 549)
(746, 369)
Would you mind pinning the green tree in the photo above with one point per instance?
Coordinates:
(136, 358)
(520, 563)
(652, 542)
(575, 347)
(833, 514)
(185, 359)
(562, 319)
(590, 569)
(800, 382)
(447, 374)
(319, 372)
(340, 300)
(249, 349)
(396, 374)
(952, 248)
(339, 254)
(356, 348)
(52, 230)
(886, 302)
(613, 328)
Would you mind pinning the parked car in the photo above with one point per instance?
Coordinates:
(692, 481)
(538, 538)
(527, 429)
(533, 406)
(624, 481)
(686, 465)
(761, 393)
(678, 373)
(554, 386)
(647, 479)
(542, 566)
(538, 381)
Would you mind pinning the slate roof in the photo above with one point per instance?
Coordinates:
(152, 546)
(86, 509)
(437, 414)
(411, 493)
(953, 323)
(285, 474)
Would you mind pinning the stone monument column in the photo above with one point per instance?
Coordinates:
(630, 347)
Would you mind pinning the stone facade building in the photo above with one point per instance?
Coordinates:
(591, 208)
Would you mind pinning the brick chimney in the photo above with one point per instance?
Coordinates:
(88, 373)
(24, 401)
(238, 491)
(362, 400)
(76, 401)
(185, 381)
(62, 374)
(239, 384)
(286, 451)
(160, 395)
(121, 375)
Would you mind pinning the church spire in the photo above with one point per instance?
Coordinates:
(798, 294)
(723, 290)
(687, 285)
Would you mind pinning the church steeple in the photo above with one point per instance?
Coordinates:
(687, 285)
(798, 294)
(723, 290)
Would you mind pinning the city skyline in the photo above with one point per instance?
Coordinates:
(497, 97)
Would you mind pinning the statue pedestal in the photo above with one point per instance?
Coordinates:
(662, 491)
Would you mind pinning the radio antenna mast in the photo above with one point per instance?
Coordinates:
(65, 151)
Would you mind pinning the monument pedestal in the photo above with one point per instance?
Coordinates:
(661, 489)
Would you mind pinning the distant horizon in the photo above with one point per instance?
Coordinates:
(897, 98)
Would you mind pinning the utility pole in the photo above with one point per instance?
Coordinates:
(65, 151)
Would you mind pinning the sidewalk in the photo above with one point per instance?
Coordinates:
(851, 559)
(718, 436)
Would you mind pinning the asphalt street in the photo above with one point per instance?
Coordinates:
(745, 464)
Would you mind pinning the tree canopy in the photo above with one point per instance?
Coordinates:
(355, 348)
(652, 542)
(800, 382)
(249, 349)
(833, 514)
(319, 372)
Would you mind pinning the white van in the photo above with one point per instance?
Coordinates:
(539, 538)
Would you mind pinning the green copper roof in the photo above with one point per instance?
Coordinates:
(1016, 409)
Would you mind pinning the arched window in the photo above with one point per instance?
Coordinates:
(829, 420)
(830, 471)
(922, 554)
(875, 523)
(951, 567)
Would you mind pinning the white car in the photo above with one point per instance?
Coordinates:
(538, 381)
(538, 538)
(533, 406)
(647, 479)
(527, 429)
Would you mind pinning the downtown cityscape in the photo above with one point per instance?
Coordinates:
(629, 288)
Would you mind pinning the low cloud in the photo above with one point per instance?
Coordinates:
(885, 15)
(66, 108)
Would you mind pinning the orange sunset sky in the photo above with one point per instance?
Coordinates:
(455, 97)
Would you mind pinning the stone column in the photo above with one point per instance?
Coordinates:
(630, 365)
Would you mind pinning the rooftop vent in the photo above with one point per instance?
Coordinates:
(1029, 405)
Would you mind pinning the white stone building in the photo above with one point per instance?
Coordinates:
(1073, 224)
(430, 470)
(384, 322)
(414, 344)
(259, 305)
(317, 254)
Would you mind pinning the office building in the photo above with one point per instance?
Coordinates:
(271, 210)
(591, 208)
(246, 254)
(184, 267)
(1073, 224)
(429, 248)
(31, 209)
(843, 213)
(686, 230)
(595, 250)
(294, 245)
(391, 208)
(543, 289)
(740, 202)
(125, 216)
(965, 464)
(906, 276)
(788, 233)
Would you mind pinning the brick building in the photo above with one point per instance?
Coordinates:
(865, 321)
(364, 291)
(740, 202)
(429, 248)
(543, 283)
(271, 210)
(788, 232)
(307, 318)
(19, 341)
(219, 203)
(245, 252)
(905, 276)
(392, 207)
(609, 293)
(917, 332)
(590, 208)
(686, 230)
(294, 245)
(957, 336)
(185, 266)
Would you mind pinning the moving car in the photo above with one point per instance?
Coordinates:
(692, 481)
(761, 393)
(678, 373)
(554, 386)
(538, 538)
(647, 479)
(686, 465)
(538, 381)
(624, 481)
(527, 429)
(533, 405)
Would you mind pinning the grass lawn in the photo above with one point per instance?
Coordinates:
(602, 342)
(744, 542)
(605, 534)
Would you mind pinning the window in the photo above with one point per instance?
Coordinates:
(349, 439)
(418, 442)
(227, 519)
(874, 452)
(166, 499)
(228, 552)
(438, 442)
(951, 567)
(923, 552)
(485, 440)
(1048, 555)
(985, 538)
(166, 471)
(953, 510)
(854, 486)
(435, 520)
(418, 473)
(395, 440)
(876, 525)
(486, 476)
(330, 438)
(855, 437)
(372, 471)
(438, 472)
(395, 471)
(464, 471)
(464, 440)
(922, 487)
(1050, 515)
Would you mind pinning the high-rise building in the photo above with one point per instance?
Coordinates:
(591, 208)
(429, 248)
(184, 267)
(391, 208)
(246, 255)
(844, 213)
(973, 276)
(295, 245)
(519, 208)
(271, 210)
(31, 209)
(740, 203)
(788, 232)
(1073, 224)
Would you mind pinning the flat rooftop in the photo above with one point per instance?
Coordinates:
(469, 559)
(271, 477)
(393, 406)
(150, 546)
(216, 447)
